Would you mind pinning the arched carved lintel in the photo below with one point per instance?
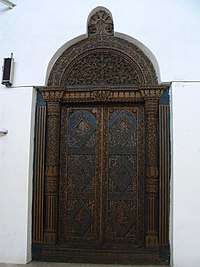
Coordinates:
(102, 58)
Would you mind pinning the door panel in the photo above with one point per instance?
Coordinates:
(102, 163)
(124, 176)
(79, 197)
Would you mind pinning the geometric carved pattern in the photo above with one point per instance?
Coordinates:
(80, 218)
(121, 158)
(122, 219)
(79, 169)
(121, 171)
(81, 148)
(81, 130)
(122, 147)
(122, 129)
(125, 182)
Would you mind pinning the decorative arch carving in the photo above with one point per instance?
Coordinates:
(100, 22)
(102, 58)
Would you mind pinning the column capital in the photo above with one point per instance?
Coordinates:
(151, 106)
(53, 108)
(152, 93)
(52, 93)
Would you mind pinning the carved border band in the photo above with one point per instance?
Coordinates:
(102, 93)
(101, 51)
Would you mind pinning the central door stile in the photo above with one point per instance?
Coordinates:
(104, 173)
(102, 144)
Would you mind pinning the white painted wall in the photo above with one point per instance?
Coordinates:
(15, 172)
(34, 31)
(186, 174)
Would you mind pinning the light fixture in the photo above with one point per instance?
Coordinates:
(8, 71)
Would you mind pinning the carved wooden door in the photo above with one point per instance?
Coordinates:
(102, 176)
(100, 194)
(102, 153)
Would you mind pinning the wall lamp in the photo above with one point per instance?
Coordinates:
(8, 71)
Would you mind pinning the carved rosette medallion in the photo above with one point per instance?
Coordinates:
(101, 23)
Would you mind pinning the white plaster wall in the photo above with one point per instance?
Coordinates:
(34, 31)
(15, 172)
(186, 174)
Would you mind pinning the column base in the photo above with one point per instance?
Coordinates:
(151, 240)
(50, 238)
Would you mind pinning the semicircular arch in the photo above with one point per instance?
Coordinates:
(102, 57)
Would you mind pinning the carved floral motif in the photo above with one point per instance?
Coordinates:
(101, 23)
(102, 66)
(101, 95)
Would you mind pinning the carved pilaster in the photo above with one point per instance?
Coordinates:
(39, 157)
(164, 174)
(151, 108)
(51, 172)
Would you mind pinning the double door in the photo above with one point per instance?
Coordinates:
(102, 169)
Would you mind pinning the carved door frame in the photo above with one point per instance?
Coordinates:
(71, 81)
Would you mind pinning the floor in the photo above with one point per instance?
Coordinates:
(50, 264)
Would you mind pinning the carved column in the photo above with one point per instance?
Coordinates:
(52, 171)
(151, 108)
(52, 96)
